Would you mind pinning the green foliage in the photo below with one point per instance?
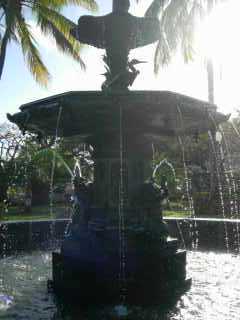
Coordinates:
(169, 158)
(165, 171)
(14, 27)
(178, 20)
(45, 157)
(201, 204)
(231, 135)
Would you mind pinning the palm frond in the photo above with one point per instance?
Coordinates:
(31, 53)
(162, 55)
(51, 22)
(66, 44)
(177, 30)
(188, 32)
(155, 8)
(6, 36)
(47, 155)
(54, 24)
(59, 4)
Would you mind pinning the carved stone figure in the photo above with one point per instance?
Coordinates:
(148, 199)
(80, 202)
(118, 33)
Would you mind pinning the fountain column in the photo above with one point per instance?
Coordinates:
(136, 169)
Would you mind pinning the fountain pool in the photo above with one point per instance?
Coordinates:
(214, 293)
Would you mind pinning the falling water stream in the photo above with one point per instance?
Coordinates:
(226, 160)
(52, 225)
(183, 242)
(220, 186)
(236, 184)
(188, 186)
(54, 160)
(121, 309)
(232, 188)
(235, 129)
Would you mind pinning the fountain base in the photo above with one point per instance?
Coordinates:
(154, 271)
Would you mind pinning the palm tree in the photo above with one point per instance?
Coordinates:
(48, 17)
(178, 20)
(210, 68)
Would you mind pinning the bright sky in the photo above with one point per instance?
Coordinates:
(219, 39)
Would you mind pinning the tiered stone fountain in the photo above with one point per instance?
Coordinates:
(118, 245)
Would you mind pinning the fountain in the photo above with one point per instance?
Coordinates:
(118, 248)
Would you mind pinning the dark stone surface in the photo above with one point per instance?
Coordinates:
(93, 113)
(117, 31)
(146, 284)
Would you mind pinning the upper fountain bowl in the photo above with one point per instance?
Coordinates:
(88, 113)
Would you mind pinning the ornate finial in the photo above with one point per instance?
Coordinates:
(120, 6)
(118, 33)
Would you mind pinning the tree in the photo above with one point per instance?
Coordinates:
(48, 17)
(47, 164)
(18, 169)
(210, 69)
(178, 19)
(11, 140)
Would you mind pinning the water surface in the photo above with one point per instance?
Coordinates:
(214, 294)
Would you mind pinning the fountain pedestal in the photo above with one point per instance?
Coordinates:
(90, 258)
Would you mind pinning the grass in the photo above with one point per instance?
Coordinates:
(37, 213)
(23, 217)
(43, 212)
(176, 213)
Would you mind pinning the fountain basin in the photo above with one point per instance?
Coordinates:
(79, 282)
(88, 268)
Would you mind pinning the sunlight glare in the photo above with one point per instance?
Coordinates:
(218, 35)
(217, 39)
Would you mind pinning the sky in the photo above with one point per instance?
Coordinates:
(217, 37)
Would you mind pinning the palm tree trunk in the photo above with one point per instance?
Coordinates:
(213, 177)
(210, 75)
(210, 68)
(210, 79)
(3, 50)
